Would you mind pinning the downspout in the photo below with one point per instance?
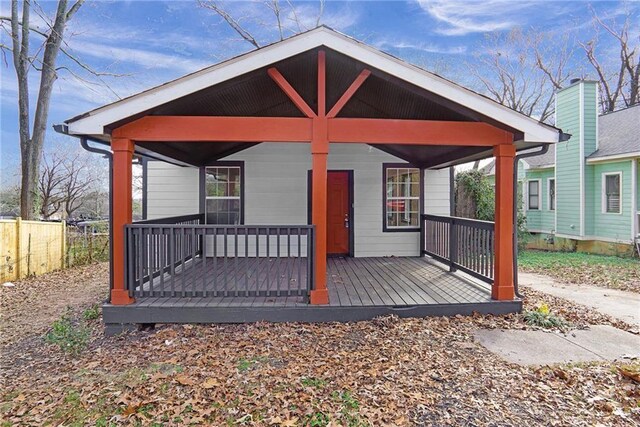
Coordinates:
(516, 161)
(109, 155)
(62, 129)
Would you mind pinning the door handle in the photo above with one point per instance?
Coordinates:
(346, 221)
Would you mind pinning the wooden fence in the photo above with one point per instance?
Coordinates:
(30, 248)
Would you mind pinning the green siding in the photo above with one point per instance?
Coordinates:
(610, 225)
(542, 219)
(568, 161)
(590, 138)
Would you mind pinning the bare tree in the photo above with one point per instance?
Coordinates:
(284, 17)
(79, 182)
(44, 60)
(619, 79)
(66, 181)
(522, 70)
(50, 182)
(10, 200)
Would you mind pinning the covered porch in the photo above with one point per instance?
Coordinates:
(321, 89)
(359, 289)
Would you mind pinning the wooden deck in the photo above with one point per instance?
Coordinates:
(359, 289)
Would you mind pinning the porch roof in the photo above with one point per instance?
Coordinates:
(242, 87)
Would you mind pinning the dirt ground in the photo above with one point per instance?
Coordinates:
(388, 371)
(31, 305)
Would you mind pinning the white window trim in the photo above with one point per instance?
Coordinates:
(549, 193)
(603, 198)
(539, 181)
(388, 198)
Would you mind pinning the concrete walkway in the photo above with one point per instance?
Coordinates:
(596, 344)
(619, 304)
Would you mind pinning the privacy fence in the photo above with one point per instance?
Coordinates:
(31, 248)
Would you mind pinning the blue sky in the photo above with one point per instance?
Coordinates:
(150, 42)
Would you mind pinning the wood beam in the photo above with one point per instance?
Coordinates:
(322, 84)
(416, 132)
(212, 129)
(503, 280)
(319, 153)
(293, 95)
(349, 93)
(122, 214)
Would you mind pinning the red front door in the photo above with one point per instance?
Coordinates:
(338, 221)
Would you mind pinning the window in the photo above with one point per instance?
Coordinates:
(552, 193)
(401, 206)
(224, 193)
(611, 193)
(533, 192)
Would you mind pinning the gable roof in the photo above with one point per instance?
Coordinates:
(95, 122)
(618, 133)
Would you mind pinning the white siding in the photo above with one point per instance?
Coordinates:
(171, 190)
(276, 192)
(436, 192)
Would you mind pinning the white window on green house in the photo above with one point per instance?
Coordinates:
(611, 192)
(223, 186)
(533, 195)
(551, 192)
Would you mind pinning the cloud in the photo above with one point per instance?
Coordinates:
(145, 58)
(421, 47)
(461, 17)
(340, 19)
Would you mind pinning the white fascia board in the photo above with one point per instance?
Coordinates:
(613, 157)
(95, 121)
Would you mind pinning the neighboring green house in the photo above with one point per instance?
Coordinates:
(583, 194)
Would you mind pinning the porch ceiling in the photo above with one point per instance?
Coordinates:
(255, 94)
(241, 86)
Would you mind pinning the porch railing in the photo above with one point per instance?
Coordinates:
(190, 259)
(461, 243)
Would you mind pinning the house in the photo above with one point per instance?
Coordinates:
(583, 193)
(306, 181)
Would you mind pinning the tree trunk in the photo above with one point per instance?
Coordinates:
(31, 148)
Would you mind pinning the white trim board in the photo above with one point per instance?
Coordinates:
(94, 122)
(634, 199)
(613, 157)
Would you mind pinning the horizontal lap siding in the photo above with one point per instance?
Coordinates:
(436, 192)
(590, 138)
(542, 219)
(568, 162)
(610, 225)
(171, 190)
(276, 191)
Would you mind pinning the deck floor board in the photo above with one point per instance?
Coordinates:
(352, 282)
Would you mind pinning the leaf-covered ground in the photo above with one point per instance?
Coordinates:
(580, 268)
(387, 371)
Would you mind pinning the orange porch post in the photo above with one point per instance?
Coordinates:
(503, 280)
(122, 176)
(319, 152)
